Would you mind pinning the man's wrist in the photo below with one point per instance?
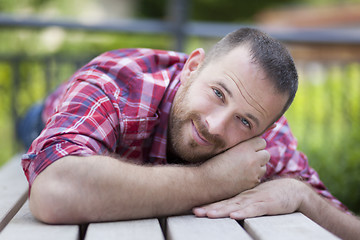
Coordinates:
(309, 198)
(214, 186)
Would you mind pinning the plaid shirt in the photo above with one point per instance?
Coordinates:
(120, 103)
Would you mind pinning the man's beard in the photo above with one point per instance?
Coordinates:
(191, 151)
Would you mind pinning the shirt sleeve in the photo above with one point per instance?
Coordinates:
(287, 161)
(84, 123)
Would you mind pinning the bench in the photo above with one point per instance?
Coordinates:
(18, 223)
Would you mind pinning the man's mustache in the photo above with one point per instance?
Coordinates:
(216, 140)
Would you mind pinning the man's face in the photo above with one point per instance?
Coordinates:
(220, 105)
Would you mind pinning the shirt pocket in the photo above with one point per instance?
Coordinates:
(136, 130)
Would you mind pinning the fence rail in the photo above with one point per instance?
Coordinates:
(181, 28)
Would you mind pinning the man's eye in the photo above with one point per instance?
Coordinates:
(245, 122)
(218, 94)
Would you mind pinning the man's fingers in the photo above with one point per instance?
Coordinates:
(265, 157)
(254, 210)
(203, 210)
(262, 173)
(199, 212)
(223, 212)
(216, 212)
(256, 143)
(223, 208)
(259, 143)
(265, 199)
(236, 211)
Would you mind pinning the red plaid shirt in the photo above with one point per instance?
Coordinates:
(120, 103)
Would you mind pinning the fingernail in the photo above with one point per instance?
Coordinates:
(200, 211)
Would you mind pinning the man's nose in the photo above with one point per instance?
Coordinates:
(217, 123)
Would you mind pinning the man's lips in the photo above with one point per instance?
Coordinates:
(197, 137)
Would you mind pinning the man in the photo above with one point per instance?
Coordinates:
(141, 133)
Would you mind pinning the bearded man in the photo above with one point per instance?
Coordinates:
(140, 133)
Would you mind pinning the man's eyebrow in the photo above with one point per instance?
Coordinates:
(225, 88)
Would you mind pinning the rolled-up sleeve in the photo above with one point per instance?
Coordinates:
(86, 122)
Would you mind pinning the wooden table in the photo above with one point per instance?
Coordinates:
(18, 223)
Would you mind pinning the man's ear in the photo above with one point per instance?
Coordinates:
(192, 64)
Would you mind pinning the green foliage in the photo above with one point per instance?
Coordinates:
(327, 2)
(325, 118)
(152, 9)
(230, 10)
(52, 8)
(7, 140)
(211, 10)
(35, 43)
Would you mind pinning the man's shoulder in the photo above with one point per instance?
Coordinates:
(152, 56)
(132, 63)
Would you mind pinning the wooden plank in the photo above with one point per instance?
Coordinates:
(13, 189)
(13, 210)
(25, 226)
(130, 230)
(189, 227)
(290, 226)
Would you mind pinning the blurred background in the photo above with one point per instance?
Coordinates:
(42, 42)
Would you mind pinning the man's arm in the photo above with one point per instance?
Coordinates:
(283, 196)
(317, 208)
(100, 188)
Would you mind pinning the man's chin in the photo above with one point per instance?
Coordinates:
(186, 159)
(203, 158)
(197, 159)
(191, 153)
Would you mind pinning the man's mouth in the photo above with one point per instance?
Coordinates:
(198, 137)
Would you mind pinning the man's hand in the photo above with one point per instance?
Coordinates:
(283, 196)
(269, 198)
(237, 169)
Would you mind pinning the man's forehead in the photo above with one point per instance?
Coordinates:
(240, 75)
(243, 79)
